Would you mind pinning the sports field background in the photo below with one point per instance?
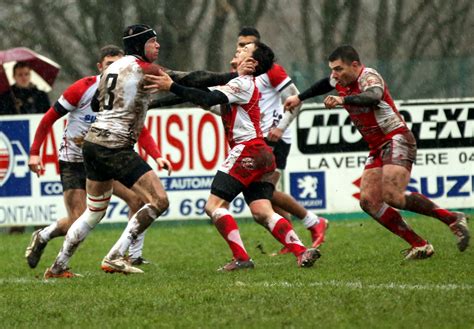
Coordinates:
(360, 282)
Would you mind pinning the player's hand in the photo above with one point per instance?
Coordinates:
(274, 134)
(35, 165)
(331, 101)
(164, 163)
(247, 67)
(291, 102)
(155, 83)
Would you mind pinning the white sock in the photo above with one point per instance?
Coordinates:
(96, 208)
(125, 240)
(147, 215)
(136, 248)
(75, 235)
(310, 219)
(45, 234)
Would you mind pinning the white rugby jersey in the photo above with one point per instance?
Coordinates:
(271, 108)
(76, 101)
(123, 104)
(242, 119)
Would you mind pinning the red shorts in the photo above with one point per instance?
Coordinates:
(400, 150)
(249, 161)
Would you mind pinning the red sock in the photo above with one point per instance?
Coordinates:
(391, 219)
(281, 229)
(227, 227)
(417, 202)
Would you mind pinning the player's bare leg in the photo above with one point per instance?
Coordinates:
(131, 198)
(315, 224)
(217, 209)
(396, 179)
(282, 230)
(280, 211)
(372, 202)
(75, 202)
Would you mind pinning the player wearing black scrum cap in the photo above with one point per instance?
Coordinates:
(122, 101)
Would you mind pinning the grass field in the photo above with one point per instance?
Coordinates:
(360, 282)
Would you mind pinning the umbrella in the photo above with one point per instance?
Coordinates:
(43, 70)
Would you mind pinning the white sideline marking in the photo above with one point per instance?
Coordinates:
(331, 283)
(39, 280)
(360, 285)
(18, 280)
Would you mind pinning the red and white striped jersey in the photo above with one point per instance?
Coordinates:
(76, 101)
(269, 85)
(123, 103)
(242, 119)
(377, 123)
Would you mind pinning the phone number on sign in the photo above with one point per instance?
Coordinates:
(185, 208)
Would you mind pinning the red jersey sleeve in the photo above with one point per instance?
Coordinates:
(277, 75)
(148, 143)
(49, 118)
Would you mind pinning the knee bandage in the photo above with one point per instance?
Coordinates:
(97, 207)
(382, 210)
(218, 213)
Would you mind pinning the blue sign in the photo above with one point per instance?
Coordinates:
(187, 183)
(51, 188)
(309, 189)
(461, 186)
(15, 176)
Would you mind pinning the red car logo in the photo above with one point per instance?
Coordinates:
(5, 158)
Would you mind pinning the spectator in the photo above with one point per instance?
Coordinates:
(23, 97)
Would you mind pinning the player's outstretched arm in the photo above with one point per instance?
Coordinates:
(320, 87)
(200, 79)
(203, 79)
(166, 101)
(198, 96)
(164, 82)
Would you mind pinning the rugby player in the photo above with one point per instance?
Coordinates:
(75, 103)
(122, 101)
(250, 165)
(365, 95)
(275, 87)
